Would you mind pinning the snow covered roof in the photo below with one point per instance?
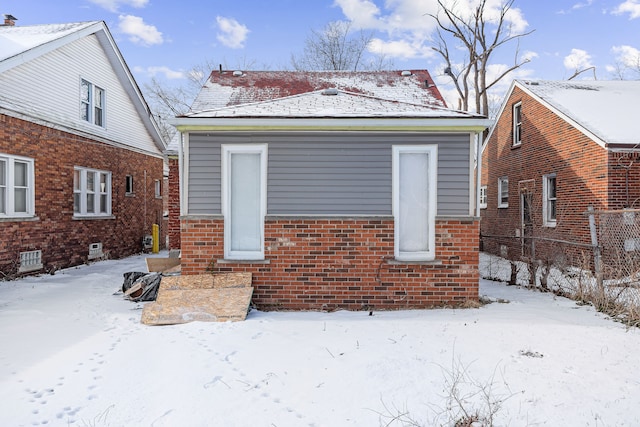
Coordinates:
(226, 88)
(329, 103)
(16, 40)
(607, 111)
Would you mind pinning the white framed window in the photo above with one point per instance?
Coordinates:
(91, 192)
(92, 103)
(414, 201)
(483, 197)
(128, 184)
(503, 192)
(157, 184)
(517, 124)
(244, 200)
(549, 207)
(17, 186)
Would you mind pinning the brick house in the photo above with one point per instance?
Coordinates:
(558, 147)
(81, 159)
(349, 190)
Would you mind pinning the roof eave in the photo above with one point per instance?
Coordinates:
(472, 124)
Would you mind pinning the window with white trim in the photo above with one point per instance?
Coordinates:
(503, 192)
(158, 188)
(517, 124)
(92, 102)
(91, 192)
(483, 197)
(244, 200)
(128, 184)
(17, 186)
(549, 207)
(414, 201)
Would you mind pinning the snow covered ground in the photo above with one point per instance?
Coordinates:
(74, 354)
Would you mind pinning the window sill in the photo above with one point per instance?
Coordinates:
(91, 217)
(503, 206)
(514, 146)
(129, 194)
(425, 262)
(243, 261)
(550, 225)
(18, 218)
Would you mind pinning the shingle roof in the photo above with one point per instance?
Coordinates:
(227, 88)
(608, 110)
(329, 103)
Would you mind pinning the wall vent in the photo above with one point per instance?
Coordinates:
(147, 242)
(30, 261)
(95, 250)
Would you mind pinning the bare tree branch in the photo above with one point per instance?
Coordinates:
(336, 47)
(480, 39)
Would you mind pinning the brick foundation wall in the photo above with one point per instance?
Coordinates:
(174, 203)
(65, 241)
(327, 264)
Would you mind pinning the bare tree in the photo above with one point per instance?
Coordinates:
(167, 101)
(480, 37)
(336, 47)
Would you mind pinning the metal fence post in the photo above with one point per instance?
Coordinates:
(597, 262)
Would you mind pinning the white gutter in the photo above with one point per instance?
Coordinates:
(338, 123)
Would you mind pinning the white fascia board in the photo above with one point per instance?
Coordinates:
(186, 124)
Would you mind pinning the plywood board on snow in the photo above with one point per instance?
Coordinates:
(175, 306)
(162, 264)
(206, 281)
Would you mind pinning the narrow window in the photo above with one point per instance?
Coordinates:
(550, 200)
(158, 189)
(128, 184)
(85, 100)
(414, 201)
(91, 192)
(503, 192)
(517, 124)
(103, 191)
(92, 102)
(98, 107)
(244, 176)
(483, 197)
(17, 189)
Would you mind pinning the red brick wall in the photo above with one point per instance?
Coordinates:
(65, 241)
(624, 180)
(549, 145)
(174, 203)
(342, 264)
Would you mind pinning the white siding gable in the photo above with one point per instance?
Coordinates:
(48, 88)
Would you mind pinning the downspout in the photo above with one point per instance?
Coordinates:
(182, 184)
(478, 173)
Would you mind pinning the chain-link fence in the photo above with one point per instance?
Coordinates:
(619, 241)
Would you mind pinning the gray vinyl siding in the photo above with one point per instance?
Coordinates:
(205, 192)
(323, 173)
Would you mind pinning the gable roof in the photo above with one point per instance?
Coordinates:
(226, 88)
(605, 111)
(20, 44)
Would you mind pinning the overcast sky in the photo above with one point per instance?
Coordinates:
(164, 39)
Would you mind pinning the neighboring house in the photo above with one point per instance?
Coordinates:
(335, 189)
(558, 147)
(81, 159)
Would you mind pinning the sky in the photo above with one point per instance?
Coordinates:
(166, 39)
(75, 353)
